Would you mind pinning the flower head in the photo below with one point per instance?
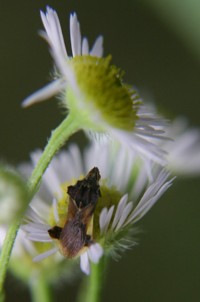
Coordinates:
(93, 91)
(88, 216)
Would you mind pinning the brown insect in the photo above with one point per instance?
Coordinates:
(83, 197)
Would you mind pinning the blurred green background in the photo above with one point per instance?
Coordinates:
(157, 44)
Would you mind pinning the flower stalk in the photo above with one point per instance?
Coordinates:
(40, 289)
(5, 254)
(58, 138)
(92, 285)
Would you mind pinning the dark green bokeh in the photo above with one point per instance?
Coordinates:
(165, 266)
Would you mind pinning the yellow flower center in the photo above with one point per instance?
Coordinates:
(103, 93)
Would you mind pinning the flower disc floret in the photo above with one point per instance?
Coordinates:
(102, 88)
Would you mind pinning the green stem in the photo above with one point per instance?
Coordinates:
(58, 138)
(5, 253)
(40, 289)
(92, 285)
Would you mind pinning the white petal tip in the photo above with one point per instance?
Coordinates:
(26, 103)
(95, 252)
(41, 14)
(97, 49)
(44, 93)
(49, 9)
(73, 15)
(84, 263)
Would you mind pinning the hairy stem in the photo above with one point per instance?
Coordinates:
(5, 254)
(58, 138)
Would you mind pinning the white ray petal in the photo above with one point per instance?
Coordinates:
(153, 188)
(40, 237)
(152, 194)
(45, 93)
(35, 227)
(140, 182)
(95, 252)
(97, 155)
(85, 46)
(59, 34)
(41, 203)
(71, 163)
(106, 219)
(24, 243)
(103, 160)
(120, 207)
(64, 160)
(52, 26)
(102, 218)
(75, 35)
(45, 255)
(84, 263)
(33, 216)
(52, 182)
(58, 52)
(151, 202)
(124, 216)
(142, 146)
(55, 210)
(120, 168)
(97, 49)
(151, 133)
(76, 160)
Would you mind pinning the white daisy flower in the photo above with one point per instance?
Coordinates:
(93, 91)
(94, 215)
